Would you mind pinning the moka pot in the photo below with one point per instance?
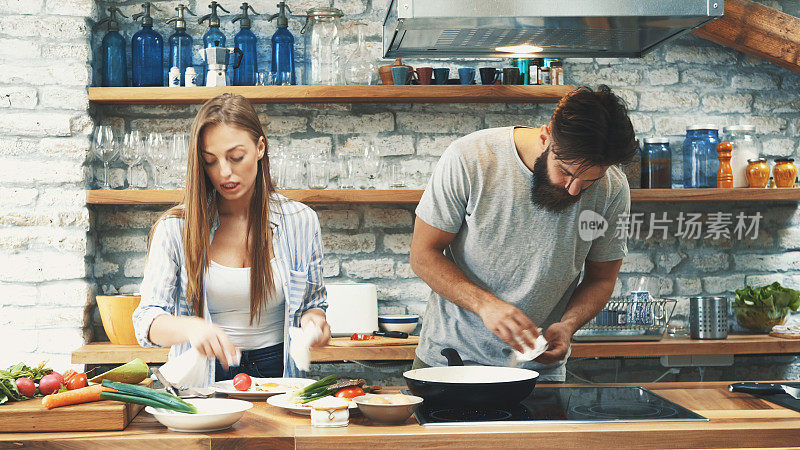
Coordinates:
(217, 59)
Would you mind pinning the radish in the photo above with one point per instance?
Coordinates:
(26, 386)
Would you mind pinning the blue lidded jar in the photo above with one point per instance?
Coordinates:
(700, 162)
(656, 163)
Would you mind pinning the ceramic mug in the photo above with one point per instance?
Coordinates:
(511, 75)
(488, 75)
(424, 74)
(402, 75)
(466, 75)
(441, 75)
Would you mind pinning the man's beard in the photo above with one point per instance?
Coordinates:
(544, 193)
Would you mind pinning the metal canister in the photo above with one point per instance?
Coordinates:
(708, 317)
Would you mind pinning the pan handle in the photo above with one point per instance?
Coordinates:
(453, 358)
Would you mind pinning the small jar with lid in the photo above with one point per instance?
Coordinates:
(757, 173)
(330, 412)
(784, 172)
(700, 162)
(656, 163)
(745, 147)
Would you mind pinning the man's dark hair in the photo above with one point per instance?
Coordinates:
(592, 128)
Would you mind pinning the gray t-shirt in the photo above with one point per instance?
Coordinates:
(525, 255)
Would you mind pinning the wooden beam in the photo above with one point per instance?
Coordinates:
(757, 30)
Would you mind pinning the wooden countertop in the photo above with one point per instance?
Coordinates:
(736, 420)
(735, 344)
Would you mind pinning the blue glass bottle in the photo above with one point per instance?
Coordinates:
(282, 47)
(700, 161)
(246, 41)
(656, 164)
(147, 52)
(180, 43)
(213, 37)
(114, 70)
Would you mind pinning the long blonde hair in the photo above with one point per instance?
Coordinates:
(199, 206)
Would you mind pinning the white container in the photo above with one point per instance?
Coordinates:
(190, 77)
(352, 308)
(174, 77)
(330, 412)
(745, 146)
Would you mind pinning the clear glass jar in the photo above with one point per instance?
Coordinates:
(361, 67)
(700, 162)
(321, 37)
(656, 163)
(745, 147)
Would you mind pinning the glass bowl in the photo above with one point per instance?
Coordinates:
(760, 318)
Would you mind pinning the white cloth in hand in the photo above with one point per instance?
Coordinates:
(300, 345)
(529, 354)
(189, 369)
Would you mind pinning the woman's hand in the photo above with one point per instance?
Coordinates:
(316, 318)
(211, 341)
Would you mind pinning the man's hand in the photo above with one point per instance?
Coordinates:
(509, 324)
(558, 336)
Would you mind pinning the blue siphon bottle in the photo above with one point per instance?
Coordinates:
(282, 47)
(180, 43)
(147, 52)
(246, 41)
(114, 70)
(213, 37)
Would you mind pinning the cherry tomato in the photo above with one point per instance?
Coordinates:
(77, 381)
(361, 337)
(242, 382)
(350, 392)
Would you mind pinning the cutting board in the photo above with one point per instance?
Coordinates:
(376, 341)
(30, 415)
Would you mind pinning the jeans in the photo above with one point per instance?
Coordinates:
(264, 362)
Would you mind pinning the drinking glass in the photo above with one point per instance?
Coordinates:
(397, 176)
(156, 155)
(263, 78)
(103, 146)
(295, 172)
(131, 153)
(179, 150)
(285, 79)
(317, 172)
(346, 172)
(371, 164)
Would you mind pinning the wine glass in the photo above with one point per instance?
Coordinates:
(103, 146)
(372, 163)
(131, 152)
(156, 155)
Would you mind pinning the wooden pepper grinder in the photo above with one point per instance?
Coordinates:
(725, 172)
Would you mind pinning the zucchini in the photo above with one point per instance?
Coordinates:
(141, 391)
(105, 395)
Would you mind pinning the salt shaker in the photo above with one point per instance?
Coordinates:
(174, 77)
(190, 77)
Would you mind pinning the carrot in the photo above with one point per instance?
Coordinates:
(82, 395)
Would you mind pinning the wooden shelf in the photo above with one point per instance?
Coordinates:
(410, 196)
(335, 94)
(736, 344)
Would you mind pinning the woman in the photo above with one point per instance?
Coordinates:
(235, 264)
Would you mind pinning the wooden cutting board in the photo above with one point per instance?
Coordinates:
(375, 341)
(30, 415)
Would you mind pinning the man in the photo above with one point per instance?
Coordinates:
(497, 234)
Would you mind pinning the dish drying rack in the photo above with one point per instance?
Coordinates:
(629, 320)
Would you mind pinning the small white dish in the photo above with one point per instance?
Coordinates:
(285, 402)
(387, 413)
(259, 392)
(406, 323)
(212, 414)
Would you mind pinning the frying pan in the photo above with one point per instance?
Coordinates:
(460, 386)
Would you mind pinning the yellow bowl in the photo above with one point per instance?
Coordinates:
(116, 311)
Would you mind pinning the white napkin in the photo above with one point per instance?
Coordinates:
(539, 347)
(189, 369)
(300, 345)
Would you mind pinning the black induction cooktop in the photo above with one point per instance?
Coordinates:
(569, 405)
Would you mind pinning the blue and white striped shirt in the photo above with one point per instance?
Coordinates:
(298, 254)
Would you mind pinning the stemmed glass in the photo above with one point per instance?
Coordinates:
(372, 163)
(104, 148)
(156, 155)
(131, 152)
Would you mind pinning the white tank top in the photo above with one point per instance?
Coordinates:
(228, 296)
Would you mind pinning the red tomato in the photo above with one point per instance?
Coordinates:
(77, 381)
(350, 392)
(242, 382)
(361, 337)
(26, 387)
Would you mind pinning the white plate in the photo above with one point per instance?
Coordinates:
(213, 414)
(285, 385)
(283, 401)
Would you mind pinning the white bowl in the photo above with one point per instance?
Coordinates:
(404, 323)
(212, 414)
(388, 414)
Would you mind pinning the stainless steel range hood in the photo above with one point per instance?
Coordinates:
(561, 28)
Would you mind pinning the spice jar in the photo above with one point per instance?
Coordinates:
(330, 412)
(757, 172)
(784, 172)
(656, 163)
